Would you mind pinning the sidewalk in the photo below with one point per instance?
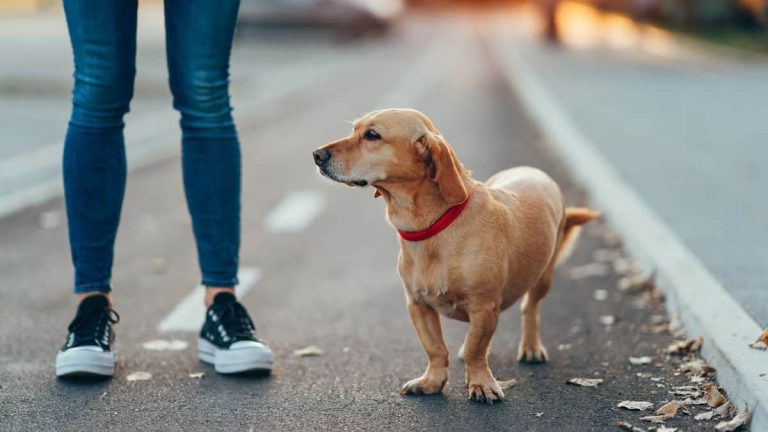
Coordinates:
(683, 128)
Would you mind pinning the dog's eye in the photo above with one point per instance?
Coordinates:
(371, 135)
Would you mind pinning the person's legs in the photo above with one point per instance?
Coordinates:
(103, 36)
(199, 37)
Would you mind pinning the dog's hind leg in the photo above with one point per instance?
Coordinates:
(531, 350)
(426, 320)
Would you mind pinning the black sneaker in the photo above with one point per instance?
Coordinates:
(87, 350)
(227, 339)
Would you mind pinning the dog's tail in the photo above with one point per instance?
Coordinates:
(574, 218)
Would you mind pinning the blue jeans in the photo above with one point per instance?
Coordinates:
(199, 40)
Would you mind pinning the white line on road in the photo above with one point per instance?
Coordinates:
(188, 316)
(705, 306)
(295, 211)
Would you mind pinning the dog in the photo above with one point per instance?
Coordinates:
(468, 250)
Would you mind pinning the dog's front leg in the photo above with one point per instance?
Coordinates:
(481, 384)
(426, 320)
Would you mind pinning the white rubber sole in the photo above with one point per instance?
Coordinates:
(85, 361)
(249, 358)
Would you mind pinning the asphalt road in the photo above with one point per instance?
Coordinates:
(331, 283)
(681, 122)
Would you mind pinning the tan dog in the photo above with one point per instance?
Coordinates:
(504, 243)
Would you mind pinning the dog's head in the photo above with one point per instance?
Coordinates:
(390, 147)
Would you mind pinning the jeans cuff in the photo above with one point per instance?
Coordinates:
(103, 287)
(211, 282)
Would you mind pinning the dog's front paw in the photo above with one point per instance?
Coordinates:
(424, 385)
(532, 352)
(484, 389)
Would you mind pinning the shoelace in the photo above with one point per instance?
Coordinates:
(235, 320)
(92, 323)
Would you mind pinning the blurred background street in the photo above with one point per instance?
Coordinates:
(671, 92)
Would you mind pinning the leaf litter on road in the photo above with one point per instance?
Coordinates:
(309, 351)
(139, 376)
(635, 405)
(685, 347)
(741, 419)
(628, 426)
(723, 410)
(595, 269)
(761, 343)
(697, 367)
(585, 382)
(637, 361)
(714, 397)
(666, 412)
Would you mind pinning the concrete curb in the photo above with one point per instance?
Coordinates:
(694, 294)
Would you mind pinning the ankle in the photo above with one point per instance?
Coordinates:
(212, 292)
(85, 295)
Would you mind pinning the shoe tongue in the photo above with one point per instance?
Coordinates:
(94, 301)
(223, 299)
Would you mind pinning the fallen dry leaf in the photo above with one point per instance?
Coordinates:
(607, 320)
(761, 342)
(611, 238)
(714, 397)
(635, 405)
(309, 351)
(621, 266)
(666, 412)
(629, 427)
(706, 415)
(656, 418)
(670, 408)
(640, 360)
(507, 383)
(636, 282)
(197, 375)
(723, 410)
(606, 255)
(139, 376)
(685, 346)
(693, 401)
(165, 345)
(595, 269)
(741, 419)
(697, 367)
(688, 391)
(585, 382)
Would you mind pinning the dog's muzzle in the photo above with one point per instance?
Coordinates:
(322, 156)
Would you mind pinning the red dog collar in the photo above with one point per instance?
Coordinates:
(442, 223)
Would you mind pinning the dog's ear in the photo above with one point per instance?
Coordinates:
(444, 168)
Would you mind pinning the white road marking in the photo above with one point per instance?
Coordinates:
(703, 303)
(188, 316)
(295, 211)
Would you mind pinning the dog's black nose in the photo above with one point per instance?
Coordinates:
(321, 156)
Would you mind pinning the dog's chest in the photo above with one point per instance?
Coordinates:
(428, 282)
